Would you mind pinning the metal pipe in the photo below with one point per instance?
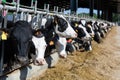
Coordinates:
(35, 7)
(13, 8)
(1, 59)
(17, 6)
(48, 6)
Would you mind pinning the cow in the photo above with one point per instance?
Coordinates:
(55, 28)
(89, 28)
(22, 32)
(40, 46)
(97, 36)
(16, 47)
(84, 38)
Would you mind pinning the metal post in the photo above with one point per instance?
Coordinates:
(1, 59)
(73, 6)
(31, 3)
(4, 14)
(18, 5)
(45, 7)
(35, 7)
(27, 15)
(21, 15)
(37, 21)
(48, 6)
(16, 12)
(56, 9)
(91, 7)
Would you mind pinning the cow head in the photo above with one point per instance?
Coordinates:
(63, 27)
(22, 32)
(40, 47)
(60, 25)
(89, 28)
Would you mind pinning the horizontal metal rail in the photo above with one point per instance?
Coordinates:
(11, 7)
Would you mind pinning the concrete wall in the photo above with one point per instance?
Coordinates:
(30, 71)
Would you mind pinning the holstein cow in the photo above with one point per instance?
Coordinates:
(22, 32)
(84, 39)
(87, 38)
(55, 28)
(16, 47)
(89, 28)
(97, 36)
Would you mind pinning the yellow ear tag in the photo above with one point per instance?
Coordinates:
(76, 24)
(51, 43)
(76, 30)
(4, 36)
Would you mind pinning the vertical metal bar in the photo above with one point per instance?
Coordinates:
(35, 6)
(31, 3)
(12, 1)
(4, 14)
(5, 19)
(54, 8)
(48, 6)
(57, 9)
(17, 10)
(1, 59)
(14, 17)
(45, 7)
(27, 15)
(18, 5)
(21, 15)
(1, 19)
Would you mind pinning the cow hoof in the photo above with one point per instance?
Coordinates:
(39, 62)
(63, 56)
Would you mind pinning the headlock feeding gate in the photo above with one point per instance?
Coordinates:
(18, 12)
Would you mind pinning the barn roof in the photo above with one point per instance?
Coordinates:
(113, 5)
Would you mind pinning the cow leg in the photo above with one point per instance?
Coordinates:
(61, 47)
(40, 47)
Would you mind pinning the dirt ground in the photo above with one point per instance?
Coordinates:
(103, 63)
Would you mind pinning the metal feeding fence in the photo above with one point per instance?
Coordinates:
(15, 9)
(21, 12)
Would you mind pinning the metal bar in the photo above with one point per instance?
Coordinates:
(27, 16)
(13, 8)
(31, 3)
(14, 16)
(17, 6)
(4, 14)
(5, 19)
(1, 59)
(48, 6)
(45, 7)
(35, 6)
(22, 16)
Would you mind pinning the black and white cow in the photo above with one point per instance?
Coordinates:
(55, 28)
(84, 38)
(97, 36)
(16, 47)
